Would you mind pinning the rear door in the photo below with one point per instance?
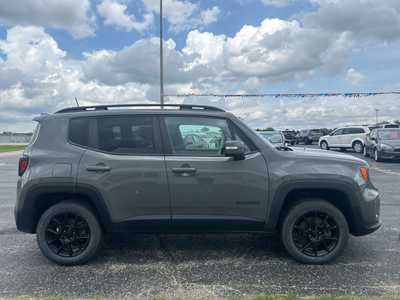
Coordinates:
(210, 191)
(352, 133)
(125, 164)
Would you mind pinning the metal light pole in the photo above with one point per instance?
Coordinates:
(161, 57)
(376, 115)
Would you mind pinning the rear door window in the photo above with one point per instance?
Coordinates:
(354, 131)
(126, 134)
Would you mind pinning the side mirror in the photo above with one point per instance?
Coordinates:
(235, 149)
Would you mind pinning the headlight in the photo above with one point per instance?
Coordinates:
(386, 147)
(362, 176)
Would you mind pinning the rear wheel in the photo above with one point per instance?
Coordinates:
(358, 147)
(324, 145)
(314, 232)
(69, 233)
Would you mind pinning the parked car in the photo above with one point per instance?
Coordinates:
(390, 126)
(308, 137)
(103, 169)
(290, 136)
(352, 137)
(383, 144)
(274, 137)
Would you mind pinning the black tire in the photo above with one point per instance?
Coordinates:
(324, 145)
(377, 157)
(68, 233)
(317, 248)
(358, 147)
(365, 152)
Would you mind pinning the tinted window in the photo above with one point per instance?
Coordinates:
(79, 131)
(338, 132)
(35, 134)
(126, 134)
(194, 135)
(353, 130)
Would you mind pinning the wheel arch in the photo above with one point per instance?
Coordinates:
(357, 140)
(322, 141)
(340, 195)
(40, 198)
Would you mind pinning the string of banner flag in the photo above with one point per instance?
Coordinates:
(286, 95)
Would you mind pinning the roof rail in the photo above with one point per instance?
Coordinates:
(107, 107)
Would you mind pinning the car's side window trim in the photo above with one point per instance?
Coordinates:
(94, 142)
(167, 143)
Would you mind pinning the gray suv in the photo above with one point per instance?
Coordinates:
(183, 169)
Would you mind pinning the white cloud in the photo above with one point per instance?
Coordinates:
(43, 79)
(37, 75)
(278, 3)
(69, 15)
(354, 77)
(114, 13)
(361, 18)
(183, 14)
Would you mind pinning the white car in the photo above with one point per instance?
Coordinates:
(345, 138)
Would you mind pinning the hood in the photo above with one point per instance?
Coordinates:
(393, 143)
(324, 154)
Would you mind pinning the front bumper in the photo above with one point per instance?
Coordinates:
(383, 154)
(366, 215)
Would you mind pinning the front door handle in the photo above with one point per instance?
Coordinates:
(184, 171)
(98, 168)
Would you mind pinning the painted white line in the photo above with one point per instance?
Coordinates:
(387, 172)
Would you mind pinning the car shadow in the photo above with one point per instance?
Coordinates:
(152, 248)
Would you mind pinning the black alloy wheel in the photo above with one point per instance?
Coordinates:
(315, 234)
(67, 234)
(314, 231)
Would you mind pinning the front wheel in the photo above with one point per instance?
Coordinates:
(68, 233)
(365, 152)
(314, 232)
(377, 157)
(324, 145)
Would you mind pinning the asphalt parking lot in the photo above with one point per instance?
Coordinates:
(202, 266)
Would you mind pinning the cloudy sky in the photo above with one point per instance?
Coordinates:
(106, 51)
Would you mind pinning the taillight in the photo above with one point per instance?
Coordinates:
(23, 165)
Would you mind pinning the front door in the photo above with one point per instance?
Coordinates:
(210, 191)
(336, 139)
(125, 164)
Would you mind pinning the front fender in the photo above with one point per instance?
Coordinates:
(280, 194)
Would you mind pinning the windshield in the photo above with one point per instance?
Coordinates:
(272, 137)
(390, 134)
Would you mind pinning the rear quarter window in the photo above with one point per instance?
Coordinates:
(79, 131)
(35, 134)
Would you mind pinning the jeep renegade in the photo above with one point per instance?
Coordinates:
(183, 169)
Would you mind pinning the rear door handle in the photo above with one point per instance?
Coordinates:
(98, 168)
(184, 171)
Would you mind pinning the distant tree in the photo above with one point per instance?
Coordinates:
(265, 129)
